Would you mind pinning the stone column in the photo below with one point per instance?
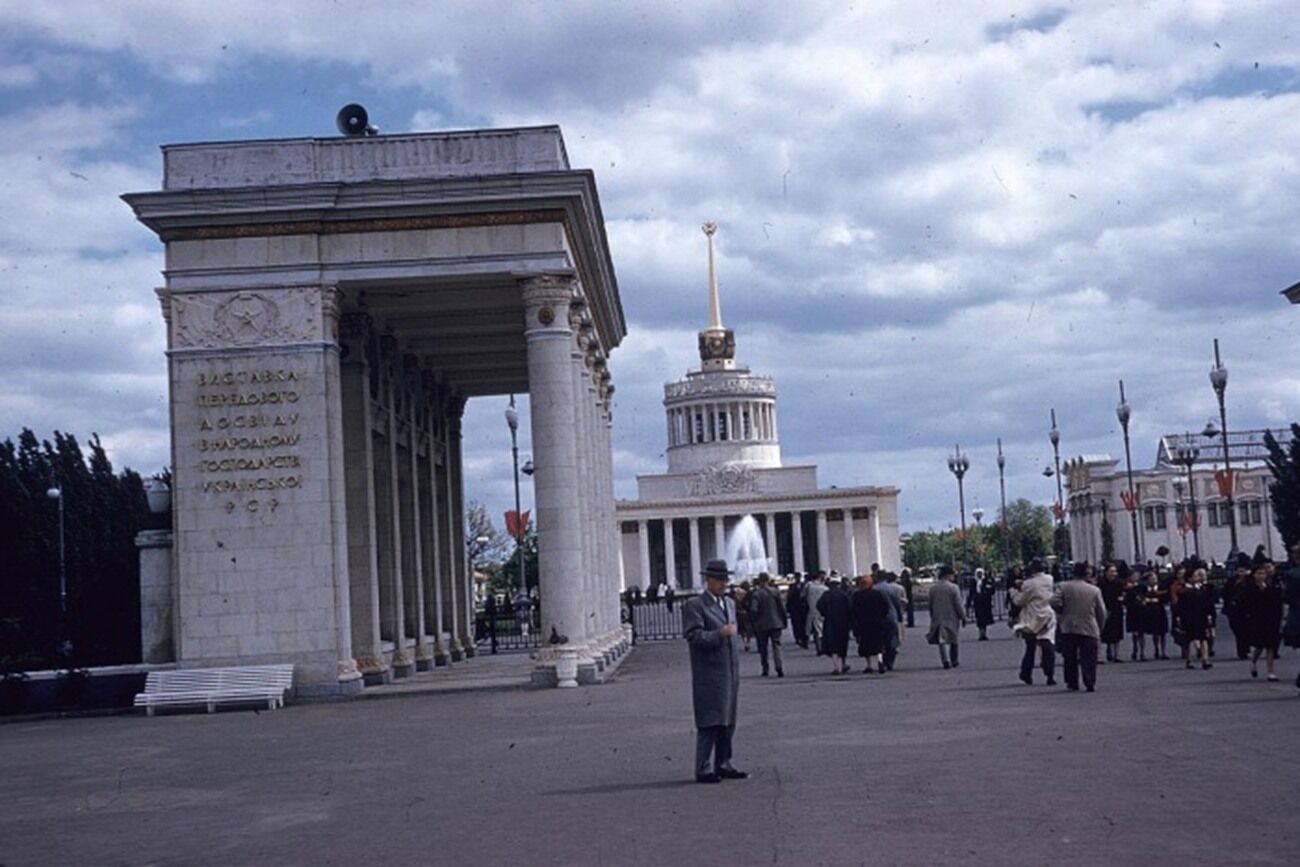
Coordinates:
(850, 542)
(462, 578)
(719, 538)
(403, 663)
(454, 648)
(670, 552)
(823, 542)
(796, 534)
(875, 536)
(582, 453)
(550, 384)
(423, 653)
(355, 336)
(695, 552)
(434, 528)
(769, 534)
(643, 543)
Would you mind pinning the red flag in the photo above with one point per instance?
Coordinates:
(516, 525)
(1130, 500)
(1224, 478)
(1058, 511)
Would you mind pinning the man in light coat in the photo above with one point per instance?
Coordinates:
(947, 616)
(709, 626)
(1083, 615)
(812, 592)
(1036, 623)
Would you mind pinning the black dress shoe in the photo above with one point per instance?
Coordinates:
(731, 774)
(708, 778)
(1091, 688)
(780, 673)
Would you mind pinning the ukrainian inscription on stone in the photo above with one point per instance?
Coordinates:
(249, 431)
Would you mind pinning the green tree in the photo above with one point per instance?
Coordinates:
(103, 511)
(1284, 490)
(485, 546)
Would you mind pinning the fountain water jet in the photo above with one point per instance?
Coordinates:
(746, 552)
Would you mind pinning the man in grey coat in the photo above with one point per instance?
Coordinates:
(1083, 615)
(894, 615)
(768, 616)
(947, 616)
(709, 626)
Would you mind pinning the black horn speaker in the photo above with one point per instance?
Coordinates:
(352, 120)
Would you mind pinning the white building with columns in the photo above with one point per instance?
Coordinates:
(724, 463)
(1167, 500)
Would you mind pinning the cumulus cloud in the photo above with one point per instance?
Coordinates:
(936, 224)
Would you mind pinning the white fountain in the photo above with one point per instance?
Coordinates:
(746, 553)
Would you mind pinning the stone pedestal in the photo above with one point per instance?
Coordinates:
(157, 596)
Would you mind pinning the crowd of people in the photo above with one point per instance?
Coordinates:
(1084, 617)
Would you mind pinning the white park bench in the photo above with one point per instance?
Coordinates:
(213, 686)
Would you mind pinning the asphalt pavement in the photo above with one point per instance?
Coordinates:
(921, 766)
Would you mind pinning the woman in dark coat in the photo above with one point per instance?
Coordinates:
(1196, 617)
(1112, 594)
(1133, 614)
(798, 612)
(1259, 611)
(985, 587)
(1155, 622)
(869, 610)
(834, 607)
(743, 622)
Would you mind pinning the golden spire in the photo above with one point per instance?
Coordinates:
(715, 305)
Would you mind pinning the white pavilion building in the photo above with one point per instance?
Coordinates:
(724, 463)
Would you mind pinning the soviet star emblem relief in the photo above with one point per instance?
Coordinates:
(247, 317)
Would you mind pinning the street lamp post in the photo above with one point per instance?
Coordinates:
(959, 464)
(1182, 531)
(1006, 526)
(1186, 454)
(56, 493)
(1055, 436)
(1219, 381)
(512, 421)
(1123, 413)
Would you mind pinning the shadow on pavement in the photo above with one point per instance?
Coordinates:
(614, 788)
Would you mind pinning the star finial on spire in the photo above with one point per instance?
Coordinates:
(710, 228)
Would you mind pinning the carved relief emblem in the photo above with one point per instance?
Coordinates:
(245, 318)
(546, 316)
(728, 478)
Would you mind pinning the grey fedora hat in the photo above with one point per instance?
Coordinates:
(716, 569)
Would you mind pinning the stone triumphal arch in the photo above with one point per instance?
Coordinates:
(331, 304)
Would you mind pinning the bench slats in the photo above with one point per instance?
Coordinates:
(213, 686)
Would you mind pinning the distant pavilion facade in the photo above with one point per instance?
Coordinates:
(724, 463)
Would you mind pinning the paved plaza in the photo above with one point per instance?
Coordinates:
(922, 766)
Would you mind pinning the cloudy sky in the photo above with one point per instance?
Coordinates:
(938, 219)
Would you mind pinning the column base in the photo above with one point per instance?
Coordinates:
(468, 647)
(456, 654)
(403, 665)
(374, 671)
